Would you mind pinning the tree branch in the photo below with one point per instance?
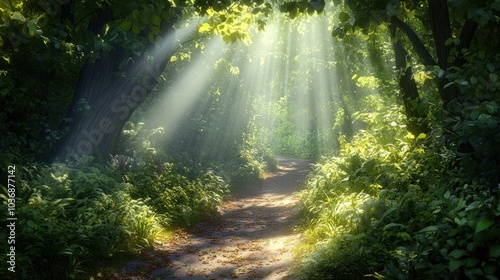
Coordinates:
(466, 36)
(441, 30)
(421, 50)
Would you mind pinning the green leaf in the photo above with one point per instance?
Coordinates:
(494, 251)
(473, 205)
(429, 229)
(392, 225)
(343, 17)
(460, 221)
(457, 253)
(31, 224)
(490, 108)
(126, 25)
(422, 136)
(136, 29)
(144, 18)
(490, 67)
(484, 224)
(473, 80)
(448, 84)
(156, 30)
(156, 20)
(17, 16)
(474, 115)
(454, 265)
(493, 77)
(203, 28)
(471, 262)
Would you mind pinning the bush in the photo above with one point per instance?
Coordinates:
(68, 218)
(392, 206)
(71, 218)
(178, 200)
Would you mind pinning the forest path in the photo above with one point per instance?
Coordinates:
(253, 238)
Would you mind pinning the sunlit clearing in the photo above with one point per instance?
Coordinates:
(284, 89)
(292, 68)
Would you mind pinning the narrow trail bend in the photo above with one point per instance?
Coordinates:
(252, 239)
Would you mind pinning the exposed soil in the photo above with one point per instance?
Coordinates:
(253, 238)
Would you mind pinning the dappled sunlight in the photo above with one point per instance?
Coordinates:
(365, 135)
(252, 238)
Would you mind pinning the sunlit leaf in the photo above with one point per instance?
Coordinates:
(422, 136)
(204, 28)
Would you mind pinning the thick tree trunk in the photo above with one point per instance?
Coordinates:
(112, 101)
(112, 98)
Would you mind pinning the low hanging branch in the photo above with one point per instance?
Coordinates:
(441, 31)
(421, 50)
(417, 123)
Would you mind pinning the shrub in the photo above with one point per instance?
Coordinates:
(178, 200)
(393, 206)
(69, 218)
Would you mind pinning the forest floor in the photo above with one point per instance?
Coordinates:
(252, 238)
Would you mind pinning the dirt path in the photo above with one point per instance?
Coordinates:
(252, 239)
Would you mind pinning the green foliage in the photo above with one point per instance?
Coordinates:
(463, 240)
(71, 218)
(178, 200)
(476, 133)
(33, 61)
(45, 45)
(401, 205)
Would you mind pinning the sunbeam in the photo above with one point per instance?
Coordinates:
(284, 83)
(187, 88)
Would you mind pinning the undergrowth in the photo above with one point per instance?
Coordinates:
(394, 206)
(75, 217)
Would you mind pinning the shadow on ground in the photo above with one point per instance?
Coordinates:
(253, 237)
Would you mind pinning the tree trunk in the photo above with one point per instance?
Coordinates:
(112, 98)
(441, 30)
(417, 123)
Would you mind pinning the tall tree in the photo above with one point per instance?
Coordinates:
(452, 34)
(453, 40)
(119, 51)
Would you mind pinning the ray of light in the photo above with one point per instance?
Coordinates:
(287, 77)
(187, 88)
